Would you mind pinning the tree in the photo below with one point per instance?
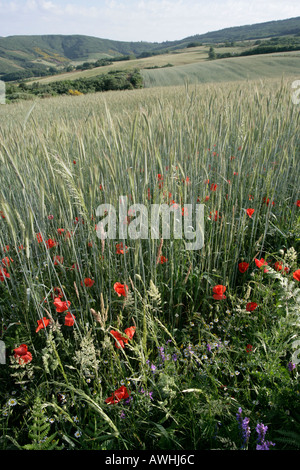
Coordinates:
(211, 54)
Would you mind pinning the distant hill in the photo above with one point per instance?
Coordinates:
(243, 33)
(28, 56)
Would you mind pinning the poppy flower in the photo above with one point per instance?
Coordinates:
(122, 340)
(216, 216)
(121, 289)
(213, 187)
(120, 394)
(60, 231)
(88, 282)
(260, 262)
(57, 292)
(249, 348)
(296, 275)
(2, 214)
(251, 306)
(42, 324)
(58, 260)
(69, 319)
(298, 203)
(267, 201)
(120, 249)
(219, 292)
(3, 274)
(39, 237)
(6, 261)
(22, 354)
(278, 266)
(60, 305)
(250, 212)
(243, 266)
(50, 243)
(163, 259)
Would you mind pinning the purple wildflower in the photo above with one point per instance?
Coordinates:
(261, 430)
(244, 428)
(291, 366)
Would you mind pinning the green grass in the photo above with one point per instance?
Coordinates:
(55, 154)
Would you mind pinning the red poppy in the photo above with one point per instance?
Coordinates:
(249, 348)
(60, 231)
(2, 214)
(243, 266)
(120, 394)
(88, 282)
(120, 249)
(122, 340)
(121, 289)
(39, 237)
(22, 354)
(260, 262)
(213, 187)
(298, 203)
(163, 259)
(58, 260)
(3, 274)
(251, 306)
(50, 243)
(216, 216)
(250, 212)
(69, 319)
(296, 275)
(42, 324)
(219, 292)
(6, 261)
(57, 292)
(267, 201)
(278, 266)
(60, 305)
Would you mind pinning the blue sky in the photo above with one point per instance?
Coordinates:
(137, 20)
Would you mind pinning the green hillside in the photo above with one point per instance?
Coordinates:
(37, 56)
(223, 70)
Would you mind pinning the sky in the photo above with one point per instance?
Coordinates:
(137, 20)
